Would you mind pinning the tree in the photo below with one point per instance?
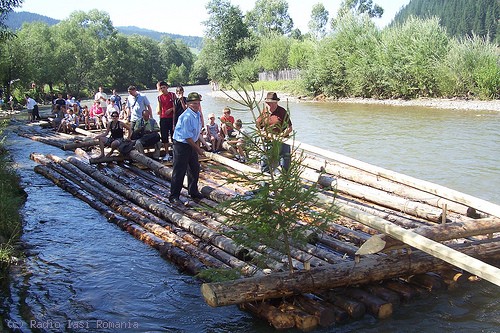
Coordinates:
(283, 211)
(6, 6)
(363, 6)
(300, 53)
(35, 45)
(273, 52)
(270, 16)
(224, 39)
(319, 20)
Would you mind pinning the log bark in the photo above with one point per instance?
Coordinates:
(406, 291)
(81, 144)
(376, 306)
(430, 282)
(324, 278)
(277, 318)
(303, 320)
(384, 184)
(325, 314)
(353, 308)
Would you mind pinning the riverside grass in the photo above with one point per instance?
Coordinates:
(12, 197)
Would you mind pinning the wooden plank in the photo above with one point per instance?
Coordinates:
(438, 250)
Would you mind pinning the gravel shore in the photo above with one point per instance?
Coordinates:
(439, 103)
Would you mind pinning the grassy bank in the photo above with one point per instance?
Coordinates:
(12, 197)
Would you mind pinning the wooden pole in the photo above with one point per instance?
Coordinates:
(427, 245)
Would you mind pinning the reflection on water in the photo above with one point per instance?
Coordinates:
(83, 274)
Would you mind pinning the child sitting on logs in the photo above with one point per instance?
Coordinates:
(236, 146)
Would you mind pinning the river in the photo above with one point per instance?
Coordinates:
(83, 274)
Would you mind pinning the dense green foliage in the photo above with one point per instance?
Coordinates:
(85, 51)
(11, 198)
(460, 17)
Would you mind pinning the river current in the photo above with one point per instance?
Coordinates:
(83, 274)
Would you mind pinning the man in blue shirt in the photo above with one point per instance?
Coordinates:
(186, 150)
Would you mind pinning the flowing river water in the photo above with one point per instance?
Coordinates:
(83, 274)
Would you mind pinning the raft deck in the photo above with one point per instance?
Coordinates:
(436, 234)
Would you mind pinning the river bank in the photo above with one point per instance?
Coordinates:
(438, 103)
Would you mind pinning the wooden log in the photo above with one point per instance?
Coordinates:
(437, 233)
(324, 278)
(264, 310)
(81, 144)
(167, 212)
(107, 159)
(303, 320)
(400, 204)
(423, 185)
(453, 277)
(406, 291)
(431, 282)
(376, 306)
(325, 314)
(383, 293)
(353, 308)
(366, 178)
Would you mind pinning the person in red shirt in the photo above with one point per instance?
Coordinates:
(227, 123)
(166, 107)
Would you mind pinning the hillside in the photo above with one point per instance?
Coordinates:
(15, 21)
(460, 17)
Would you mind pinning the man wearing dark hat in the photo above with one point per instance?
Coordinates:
(186, 150)
(274, 119)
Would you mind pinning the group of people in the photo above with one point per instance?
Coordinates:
(181, 128)
(274, 120)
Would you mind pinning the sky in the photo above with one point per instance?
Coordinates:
(184, 17)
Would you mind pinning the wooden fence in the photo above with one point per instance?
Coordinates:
(287, 74)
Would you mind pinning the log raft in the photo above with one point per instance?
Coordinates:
(369, 261)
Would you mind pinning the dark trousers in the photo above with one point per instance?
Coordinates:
(284, 159)
(185, 161)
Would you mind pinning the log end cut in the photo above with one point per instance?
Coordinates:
(209, 295)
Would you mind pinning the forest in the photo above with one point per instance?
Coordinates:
(345, 55)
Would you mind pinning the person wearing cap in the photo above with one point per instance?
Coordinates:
(186, 150)
(275, 120)
(214, 134)
(136, 103)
